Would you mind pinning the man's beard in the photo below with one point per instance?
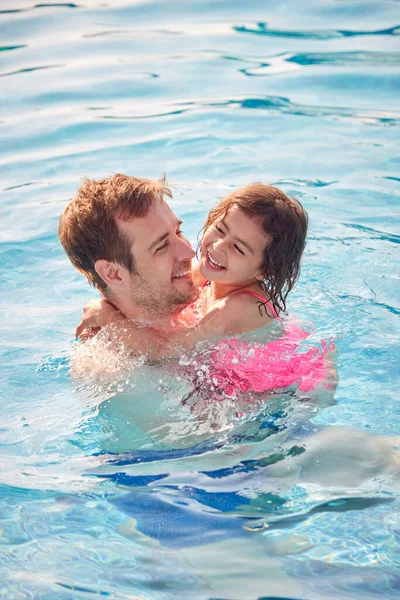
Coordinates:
(159, 302)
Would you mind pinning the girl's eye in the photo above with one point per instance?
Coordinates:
(219, 229)
(239, 250)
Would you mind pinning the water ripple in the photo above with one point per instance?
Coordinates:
(269, 103)
(45, 5)
(57, 5)
(30, 70)
(132, 32)
(316, 34)
(304, 182)
(14, 187)
(8, 48)
(284, 105)
(158, 456)
(347, 58)
(375, 233)
(336, 505)
(371, 302)
(391, 178)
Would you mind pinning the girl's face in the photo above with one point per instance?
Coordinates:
(232, 249)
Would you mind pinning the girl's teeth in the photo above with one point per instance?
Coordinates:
(214, 263)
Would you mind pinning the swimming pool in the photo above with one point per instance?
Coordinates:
(105, 497)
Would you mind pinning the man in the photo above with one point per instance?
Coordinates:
(121, 233)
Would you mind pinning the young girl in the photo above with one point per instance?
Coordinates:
(249, 260)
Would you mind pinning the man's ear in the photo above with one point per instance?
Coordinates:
(109, 272)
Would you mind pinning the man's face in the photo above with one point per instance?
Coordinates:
(162, 282)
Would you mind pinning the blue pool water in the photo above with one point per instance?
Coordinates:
(116, 489)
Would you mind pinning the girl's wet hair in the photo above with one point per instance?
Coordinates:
(282, 218)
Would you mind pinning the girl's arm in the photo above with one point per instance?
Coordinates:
(97, 314)
(155, 343)
(238, 315)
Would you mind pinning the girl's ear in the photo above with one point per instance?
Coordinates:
(260, 277)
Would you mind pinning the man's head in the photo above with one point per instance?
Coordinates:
(123, 236)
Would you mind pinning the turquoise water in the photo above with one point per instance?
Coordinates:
(117, 489)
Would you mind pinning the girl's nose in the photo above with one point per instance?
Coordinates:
(220, 244)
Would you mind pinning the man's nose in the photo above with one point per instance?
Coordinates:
(185, 249)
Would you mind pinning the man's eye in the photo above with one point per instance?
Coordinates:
(162, 247)
(179, 232)
(239, 250)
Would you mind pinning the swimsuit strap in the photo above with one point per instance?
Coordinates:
(263, 301)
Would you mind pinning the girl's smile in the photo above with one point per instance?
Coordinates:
(212, 263)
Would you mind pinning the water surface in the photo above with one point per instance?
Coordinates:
(216, 95)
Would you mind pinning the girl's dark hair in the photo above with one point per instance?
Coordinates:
(282, 218)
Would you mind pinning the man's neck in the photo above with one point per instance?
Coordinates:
(141, 314)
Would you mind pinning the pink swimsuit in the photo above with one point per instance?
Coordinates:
(253, 367)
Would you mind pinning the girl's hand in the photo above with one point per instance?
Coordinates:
(96, 314)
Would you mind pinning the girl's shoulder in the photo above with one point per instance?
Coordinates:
(249, 295)
(246, 310)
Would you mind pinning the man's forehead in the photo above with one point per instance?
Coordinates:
(156, 222)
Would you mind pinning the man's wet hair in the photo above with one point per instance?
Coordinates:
(88, 227)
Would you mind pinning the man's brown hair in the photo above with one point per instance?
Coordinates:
(286, 221)
(88, 229)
